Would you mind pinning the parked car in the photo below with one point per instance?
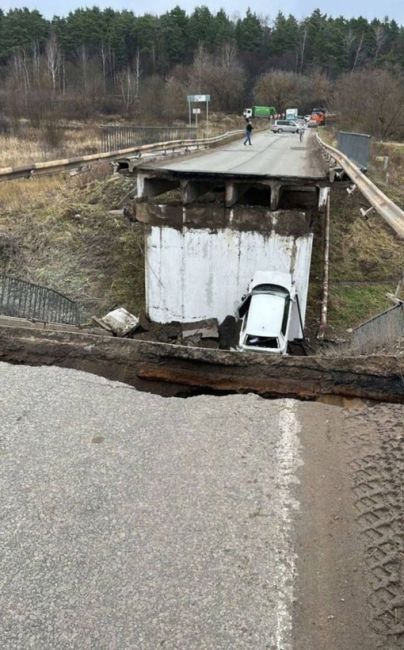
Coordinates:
(287, 126)
(266, 312)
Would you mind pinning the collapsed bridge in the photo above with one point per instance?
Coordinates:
(215, 218)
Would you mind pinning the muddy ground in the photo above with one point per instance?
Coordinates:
(350, 541)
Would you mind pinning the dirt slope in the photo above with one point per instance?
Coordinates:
(69, 233)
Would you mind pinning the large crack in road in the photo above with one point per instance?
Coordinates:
(135, 521)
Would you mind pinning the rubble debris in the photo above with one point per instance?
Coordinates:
(118, 321)
(205, 329)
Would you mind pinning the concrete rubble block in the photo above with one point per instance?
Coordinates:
(119, 321)
(205, 329)
(162, 332)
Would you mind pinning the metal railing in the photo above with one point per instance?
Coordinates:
(116, 137)
(23, 299)
(384, 206)
(53, 166)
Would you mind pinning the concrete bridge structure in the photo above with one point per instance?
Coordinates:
(214, 218)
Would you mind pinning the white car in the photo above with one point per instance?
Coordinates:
(266, 312)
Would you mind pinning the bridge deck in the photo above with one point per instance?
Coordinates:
(270, 156)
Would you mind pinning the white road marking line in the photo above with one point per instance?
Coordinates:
(287, 462)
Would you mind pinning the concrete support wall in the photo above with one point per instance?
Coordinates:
(192, 274)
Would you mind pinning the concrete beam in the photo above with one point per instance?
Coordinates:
(150, 186)
(192, 190)
(323, 195)
(233, 192)
(275, 194)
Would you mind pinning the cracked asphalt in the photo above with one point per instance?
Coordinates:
(131, 521)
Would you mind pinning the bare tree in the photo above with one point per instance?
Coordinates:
(358, 51)
(380, 38)
(20, 71)
(201, 60)
(228, 54)
(174, 99)
(349, 40)
(278, 89)
(138, 73)
(36, 64)
(104, 63)
(53, 60)
(83, 56)
(371, 101)
(302, 47)
(127, 85)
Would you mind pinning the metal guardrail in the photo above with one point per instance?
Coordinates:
(384, 206)
(27, 300)
(52, 166)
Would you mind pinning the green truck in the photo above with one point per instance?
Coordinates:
(259, 111)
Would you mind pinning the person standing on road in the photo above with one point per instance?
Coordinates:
(248, 129)
(301, 134)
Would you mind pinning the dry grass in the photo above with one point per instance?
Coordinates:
(32, 146)
(25, 194)
(61, 232)
(366, 260)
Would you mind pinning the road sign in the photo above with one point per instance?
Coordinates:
(198, 98)
(196, 111)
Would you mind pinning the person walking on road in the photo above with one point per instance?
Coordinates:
(248, 129)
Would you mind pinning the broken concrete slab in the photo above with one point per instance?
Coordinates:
(205, 329)
(118, 321)
(169, 369)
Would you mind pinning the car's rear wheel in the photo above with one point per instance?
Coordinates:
(279, 130)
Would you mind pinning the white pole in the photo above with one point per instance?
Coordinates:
(189, 113)
(207, 118)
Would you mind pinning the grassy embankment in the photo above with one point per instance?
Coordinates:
(366, 258)
(58, 231)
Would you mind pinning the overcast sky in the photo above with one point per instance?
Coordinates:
(299, 8)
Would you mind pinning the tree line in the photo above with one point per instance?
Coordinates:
(114, 61)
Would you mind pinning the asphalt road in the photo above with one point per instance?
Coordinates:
(130, 521)
(269, 155)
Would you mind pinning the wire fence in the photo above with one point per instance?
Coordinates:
(23, 299)
(114, 138)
